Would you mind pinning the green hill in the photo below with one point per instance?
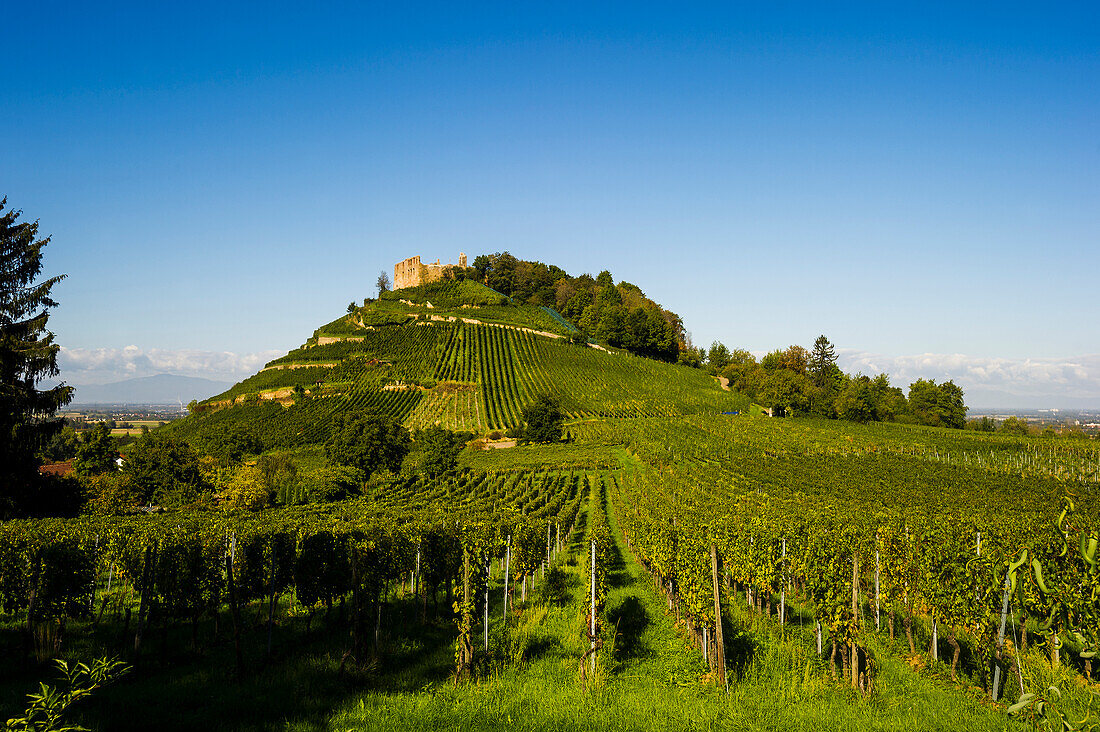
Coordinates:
(458, 354)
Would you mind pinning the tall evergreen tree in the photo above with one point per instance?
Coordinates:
(28, 354)
(822, 360)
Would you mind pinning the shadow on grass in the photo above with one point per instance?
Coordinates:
(304, 679)
(558, 586)
(617, 573)
(541, 647)
(740, 649)
(631, 620)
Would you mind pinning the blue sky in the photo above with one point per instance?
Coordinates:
(921, 184)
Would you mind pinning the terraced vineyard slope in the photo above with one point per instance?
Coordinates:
(457, 354)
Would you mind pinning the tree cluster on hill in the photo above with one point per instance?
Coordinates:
(368, 443)
(542, 421)
(436, 449)
(619, 315)
(797, 381)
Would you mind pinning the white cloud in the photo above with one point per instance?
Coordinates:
(987, 382)
(1006, 382)
(105, 365)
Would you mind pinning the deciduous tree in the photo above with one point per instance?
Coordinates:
(439, 448)
(165, 470)
(97, 452)
(369, 443)
(543, 418)
(246, 491)
(937, 405)
(786, 391)
(718, 357)
(1014, 426)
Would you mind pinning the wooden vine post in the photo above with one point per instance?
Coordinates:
(1001, 636)
(507, 568)
(783, 585)
(855, 620)
(718, 641)
(465, 653)
(485, 616)
(421, 592)
(95, 575)
(592, 611)
(234, 606)
(878, 568)
(143, 596)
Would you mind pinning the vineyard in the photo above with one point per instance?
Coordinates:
(881, 558)
(673, 562)
(872, 532)
(462, 376)
(174, 569)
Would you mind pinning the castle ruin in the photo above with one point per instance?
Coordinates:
(411, 272)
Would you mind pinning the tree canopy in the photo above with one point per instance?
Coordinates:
(165, 470)
(718, 356)
(822, 361)
(97, 452)
(937, 405)
(439, 448)
(619, 315)
(229, 446)
(797, 381)
(543, 418)
(368, 443)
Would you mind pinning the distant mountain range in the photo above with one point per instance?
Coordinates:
(158, 389)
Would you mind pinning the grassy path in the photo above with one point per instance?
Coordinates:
(652, 683)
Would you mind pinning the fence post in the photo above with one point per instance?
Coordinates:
(507, 568)
(783, 585)
(95, 576)
(855, 618)
(485, 622)
(1001, 637)
(718, 639)
(592, 611)
(878, 567)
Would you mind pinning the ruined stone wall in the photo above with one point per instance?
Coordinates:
(406, 273)
(411, 272)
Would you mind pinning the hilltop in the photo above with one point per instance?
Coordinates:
(454, 353)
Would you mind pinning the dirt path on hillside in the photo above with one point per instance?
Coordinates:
(724, 382)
